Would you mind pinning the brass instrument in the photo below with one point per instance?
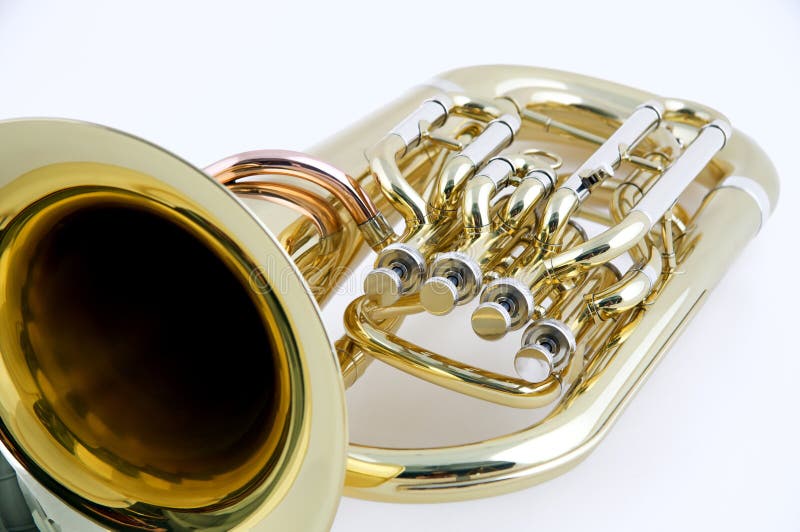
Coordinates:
(163, 364)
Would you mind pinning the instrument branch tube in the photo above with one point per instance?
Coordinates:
(600, 165)
(383, 158)
(616, 240)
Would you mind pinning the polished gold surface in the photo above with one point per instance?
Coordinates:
(154, 371)
(569, 115)
(133, 282)
(91, 266)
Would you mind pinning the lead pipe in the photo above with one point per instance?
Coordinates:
(373, 226)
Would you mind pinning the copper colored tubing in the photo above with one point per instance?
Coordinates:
(309, 205)
(302, 166)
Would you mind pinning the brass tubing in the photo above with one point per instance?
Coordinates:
(519, 209)
(557, 212)
(373, 225)
(317, 210)
(622, 237)
(430, 238)
(456, 277)
(551, 447)
(573, 235)
(569, 308)
(553, 345)
(549, 124)
(449, 184)
(401, 195)
(600, 165)
(481, 189)
(731, 214)
(383, 158)
(606, 246)
(404, 306)
(476, 212)
(668, 239)
(555, 445)
(352, 361)
(497, 135)
(468, 106)
(441, 370)
(629, 291)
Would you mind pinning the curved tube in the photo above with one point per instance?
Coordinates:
(499, 134)
(568, 307)
(490, 321)
(383, 158)
(520, 205)
(629, 291)
(450, 182)
(402, 196)
(476, 213)
(557, 212)
(601, 164)
(555, 445)
(606, 246)
(352, 360)
(622, 237)
(442, 370)
(480, 190)
(312, 207)
(557, 356)
(373, 225)
(456, 277)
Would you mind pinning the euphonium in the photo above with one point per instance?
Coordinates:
(163, 364)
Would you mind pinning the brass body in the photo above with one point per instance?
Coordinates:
(245, 425)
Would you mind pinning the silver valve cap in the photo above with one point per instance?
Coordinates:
(399, 269)
(455, 280)
(505, 304)
(547, 345)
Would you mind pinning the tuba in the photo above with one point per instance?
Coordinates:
(163, 362)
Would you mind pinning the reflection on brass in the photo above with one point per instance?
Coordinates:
(163, 363)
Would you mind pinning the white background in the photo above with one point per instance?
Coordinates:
(711, 441)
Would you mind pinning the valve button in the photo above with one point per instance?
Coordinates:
(382, 285)
(491, 320)
(438, 296)
(533, 363)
